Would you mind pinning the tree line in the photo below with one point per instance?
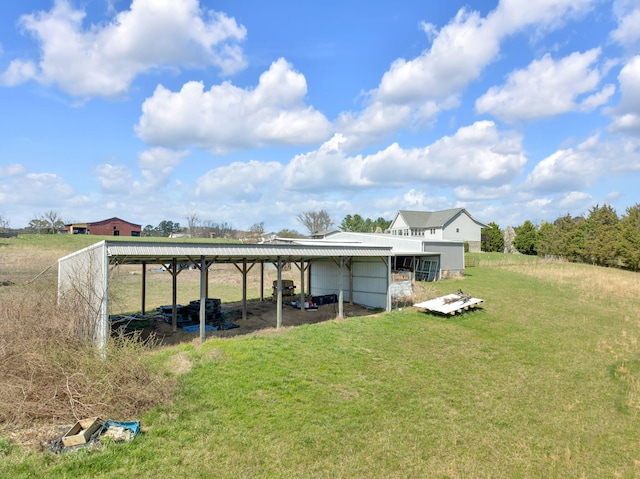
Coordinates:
(600, 238)
(315, 222)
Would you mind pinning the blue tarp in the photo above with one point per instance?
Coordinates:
(194, 328)
(133, 426)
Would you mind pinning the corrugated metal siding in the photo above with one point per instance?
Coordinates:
(451, 255)
(82, 285)
(324, 278)
(370, 281)
(451, 252)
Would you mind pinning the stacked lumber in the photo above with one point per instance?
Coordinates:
(288, 290)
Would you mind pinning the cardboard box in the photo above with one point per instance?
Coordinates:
(81, 431)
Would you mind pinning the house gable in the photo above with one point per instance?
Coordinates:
(452, 224)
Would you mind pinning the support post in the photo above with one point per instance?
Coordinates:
(341, 289)
(174, 295)
(389, 281)
(302, 294)
(279, 294)
(144, 288)
(203, 298)
(244, 271)
(244, 288)
(207, 280)
(350, 268)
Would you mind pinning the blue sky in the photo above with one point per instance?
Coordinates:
(253, 111)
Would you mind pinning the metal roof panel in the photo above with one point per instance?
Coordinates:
(136, 251)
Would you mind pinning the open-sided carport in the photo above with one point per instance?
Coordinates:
(83, 276)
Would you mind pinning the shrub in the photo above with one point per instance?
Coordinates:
(50, 374)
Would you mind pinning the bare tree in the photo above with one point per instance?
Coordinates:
(4, 223)
(219, 230)
(50, 222)
(256, 232)
(315, 221)
(193, 220)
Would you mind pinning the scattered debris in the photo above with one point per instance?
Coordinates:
(121, 431)
(190, 314)
(81, 431)
(401, 291)
(89, 432)
(450, 304)
(130, 322)
(220, 326)
(458, 296)
(312, 303)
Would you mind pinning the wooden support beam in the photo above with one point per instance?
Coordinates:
(244, 270)
(279, 294)
(302, 268)
(174, 295)
(203, 297)
(144, 288)
(341, 289)
(261, 280)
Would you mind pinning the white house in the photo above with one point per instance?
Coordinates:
(451, 225)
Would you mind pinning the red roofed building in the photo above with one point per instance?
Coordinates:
(111, 227)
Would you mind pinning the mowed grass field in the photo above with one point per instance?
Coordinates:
(542, 381)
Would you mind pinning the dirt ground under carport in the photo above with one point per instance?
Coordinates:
(261, 316)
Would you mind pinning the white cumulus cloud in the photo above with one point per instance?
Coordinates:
(628, 16)
(103, 59)
(415, 90)
(238, 180)
(27, 190)
(478, 154)
(548, 87)
(626, 115)
(114, 179)
(157, 164)
(574, 169)
(227, 117)
(11, 170)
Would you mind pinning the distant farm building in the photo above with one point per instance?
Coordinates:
(111, 227)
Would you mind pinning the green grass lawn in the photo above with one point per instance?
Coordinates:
(540, 382)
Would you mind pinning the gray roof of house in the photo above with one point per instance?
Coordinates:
(432, 219)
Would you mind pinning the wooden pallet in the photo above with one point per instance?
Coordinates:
(451, 304)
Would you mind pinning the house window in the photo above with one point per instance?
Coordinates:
(457, 230)
(432, 231)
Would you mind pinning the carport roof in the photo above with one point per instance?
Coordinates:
(136, 252)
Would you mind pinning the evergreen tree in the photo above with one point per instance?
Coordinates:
(548, 243)
(601, 236)
(353, 223)
(496, 239)
(526, 238)
(569, 241)
(357, 223)
(629, 238)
